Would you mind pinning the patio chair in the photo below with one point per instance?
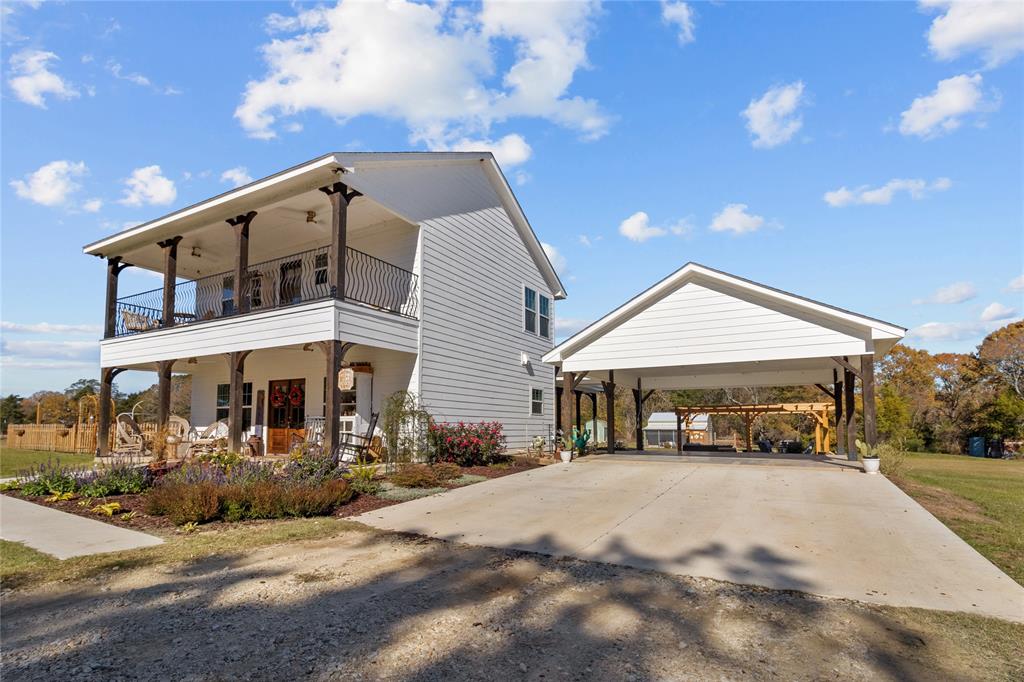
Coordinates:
(313, 428)
(128, 436)
(354, 447)
(209, 440)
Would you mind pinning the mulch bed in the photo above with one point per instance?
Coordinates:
(515, 467)
(362, 504)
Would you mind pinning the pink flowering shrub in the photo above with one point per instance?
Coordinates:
(467, 444)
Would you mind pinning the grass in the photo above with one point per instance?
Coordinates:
(21, 566)
(14, 461)
(981, 500)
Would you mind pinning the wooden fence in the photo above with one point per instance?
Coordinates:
(60, 438)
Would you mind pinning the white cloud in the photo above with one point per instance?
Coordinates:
(681, 15)
(567, 326)
(70, 350)
(735, 218)
(944, 109)
(238, 176)
(522, 177)
(431, 67)
(118, 72)
(772, 118)
(148, 186)
(50, 328)
(1016, 284)
(916, 189)
(997, 311)
(52, 184)
(92, 205)
(958, 292)
(638, 228)
(558, 261)
(945, 331)
(995, 29)
(511, 150)
(32, 80)
(585, 240)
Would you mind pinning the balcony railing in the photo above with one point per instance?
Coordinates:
(277, 283)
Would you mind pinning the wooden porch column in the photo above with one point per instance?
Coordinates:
(170, 247)
(748, 420)
(104, 416)
(239, 297)
(850, 416)
(638, 402)
(558, 410)
(335, 354)
(236, 379)
(609, 397)
(163, 393)
(593, 411)
(114, 268)
(568, 378)
(867, 389)
(579, 416)
(837, 387)
(340, 196)
(679, 433)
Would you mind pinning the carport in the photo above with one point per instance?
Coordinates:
(704, 328)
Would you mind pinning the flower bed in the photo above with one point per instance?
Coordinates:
(467, 444)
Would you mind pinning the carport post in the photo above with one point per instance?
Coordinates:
(850, 415)
(837, 388)
(579, 417)
(679, 432)
(593, 412)
(867, 388)
(568, 378)
(609, 396)
(638, 401)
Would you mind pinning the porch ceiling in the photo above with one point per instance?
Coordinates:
(280, 229)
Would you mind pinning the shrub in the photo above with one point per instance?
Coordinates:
(185, 502)
(415, 476)
(52, 478)
(118, 479)
(467, 444)
(313, 465)
(446, 471)
(891, 460)
(362, 479)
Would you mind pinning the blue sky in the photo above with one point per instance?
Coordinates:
(866, 155)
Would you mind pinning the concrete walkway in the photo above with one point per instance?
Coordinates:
(820, 529)
(64, 535)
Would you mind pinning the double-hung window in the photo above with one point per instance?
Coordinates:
(536, 313)
(224, 399)
(536, 401)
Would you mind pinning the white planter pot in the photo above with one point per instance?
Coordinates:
(871, 465)
(566, 456)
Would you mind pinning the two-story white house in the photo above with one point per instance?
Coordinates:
(325, 288)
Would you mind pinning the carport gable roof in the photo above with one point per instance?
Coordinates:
(852, 333)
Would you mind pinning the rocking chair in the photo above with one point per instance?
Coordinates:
(313, 428)
(209, 440)
(128, 437)
(354, 447)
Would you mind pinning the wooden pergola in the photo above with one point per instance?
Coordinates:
(817, 411)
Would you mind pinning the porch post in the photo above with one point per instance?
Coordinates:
(114, 268)
(867, 388)
(170, 247)
(163, 392)
(850, 416)
(334, 351)
(104, 416)
(638, 398)
(593, 419)
(579, 417)
(558, 409)
(568, 378)
(239, 297)
(340, 197)
(837, 389)
(236, 379)
(609, 396)
(679, 433)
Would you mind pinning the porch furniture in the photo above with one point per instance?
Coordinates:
(354, 447)
(138, 322)
(128, 437)
(255, 446)
(209, 440)
(313, 433)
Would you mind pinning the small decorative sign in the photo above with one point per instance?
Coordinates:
(346, 379)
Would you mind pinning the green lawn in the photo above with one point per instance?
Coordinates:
(14, 461)
(981, 500)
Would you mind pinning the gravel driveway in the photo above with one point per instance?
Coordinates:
(372, 605)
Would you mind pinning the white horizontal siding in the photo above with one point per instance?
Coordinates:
(474, 267)
(362, 325)
(697, 325)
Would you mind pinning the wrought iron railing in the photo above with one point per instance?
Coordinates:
(297, 278)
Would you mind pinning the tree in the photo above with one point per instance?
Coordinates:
(11, 412)
(82, 388)
(1003, 417)
(1002, 352)
(894, 421)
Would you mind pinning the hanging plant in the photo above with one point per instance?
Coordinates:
(295, 396)
(277, 397)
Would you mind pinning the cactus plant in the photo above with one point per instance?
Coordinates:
(866, 451)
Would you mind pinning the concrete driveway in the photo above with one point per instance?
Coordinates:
(825, 530)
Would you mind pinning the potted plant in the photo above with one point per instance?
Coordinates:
(566, 452)
(869, 455)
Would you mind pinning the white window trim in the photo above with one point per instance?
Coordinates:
(550, 316)
(532, 401)
(536, 311)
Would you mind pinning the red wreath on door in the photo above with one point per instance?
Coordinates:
(295, 396)
(277, 397)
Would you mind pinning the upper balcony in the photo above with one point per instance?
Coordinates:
(278, 283)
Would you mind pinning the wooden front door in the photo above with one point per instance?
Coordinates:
(286, 416)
